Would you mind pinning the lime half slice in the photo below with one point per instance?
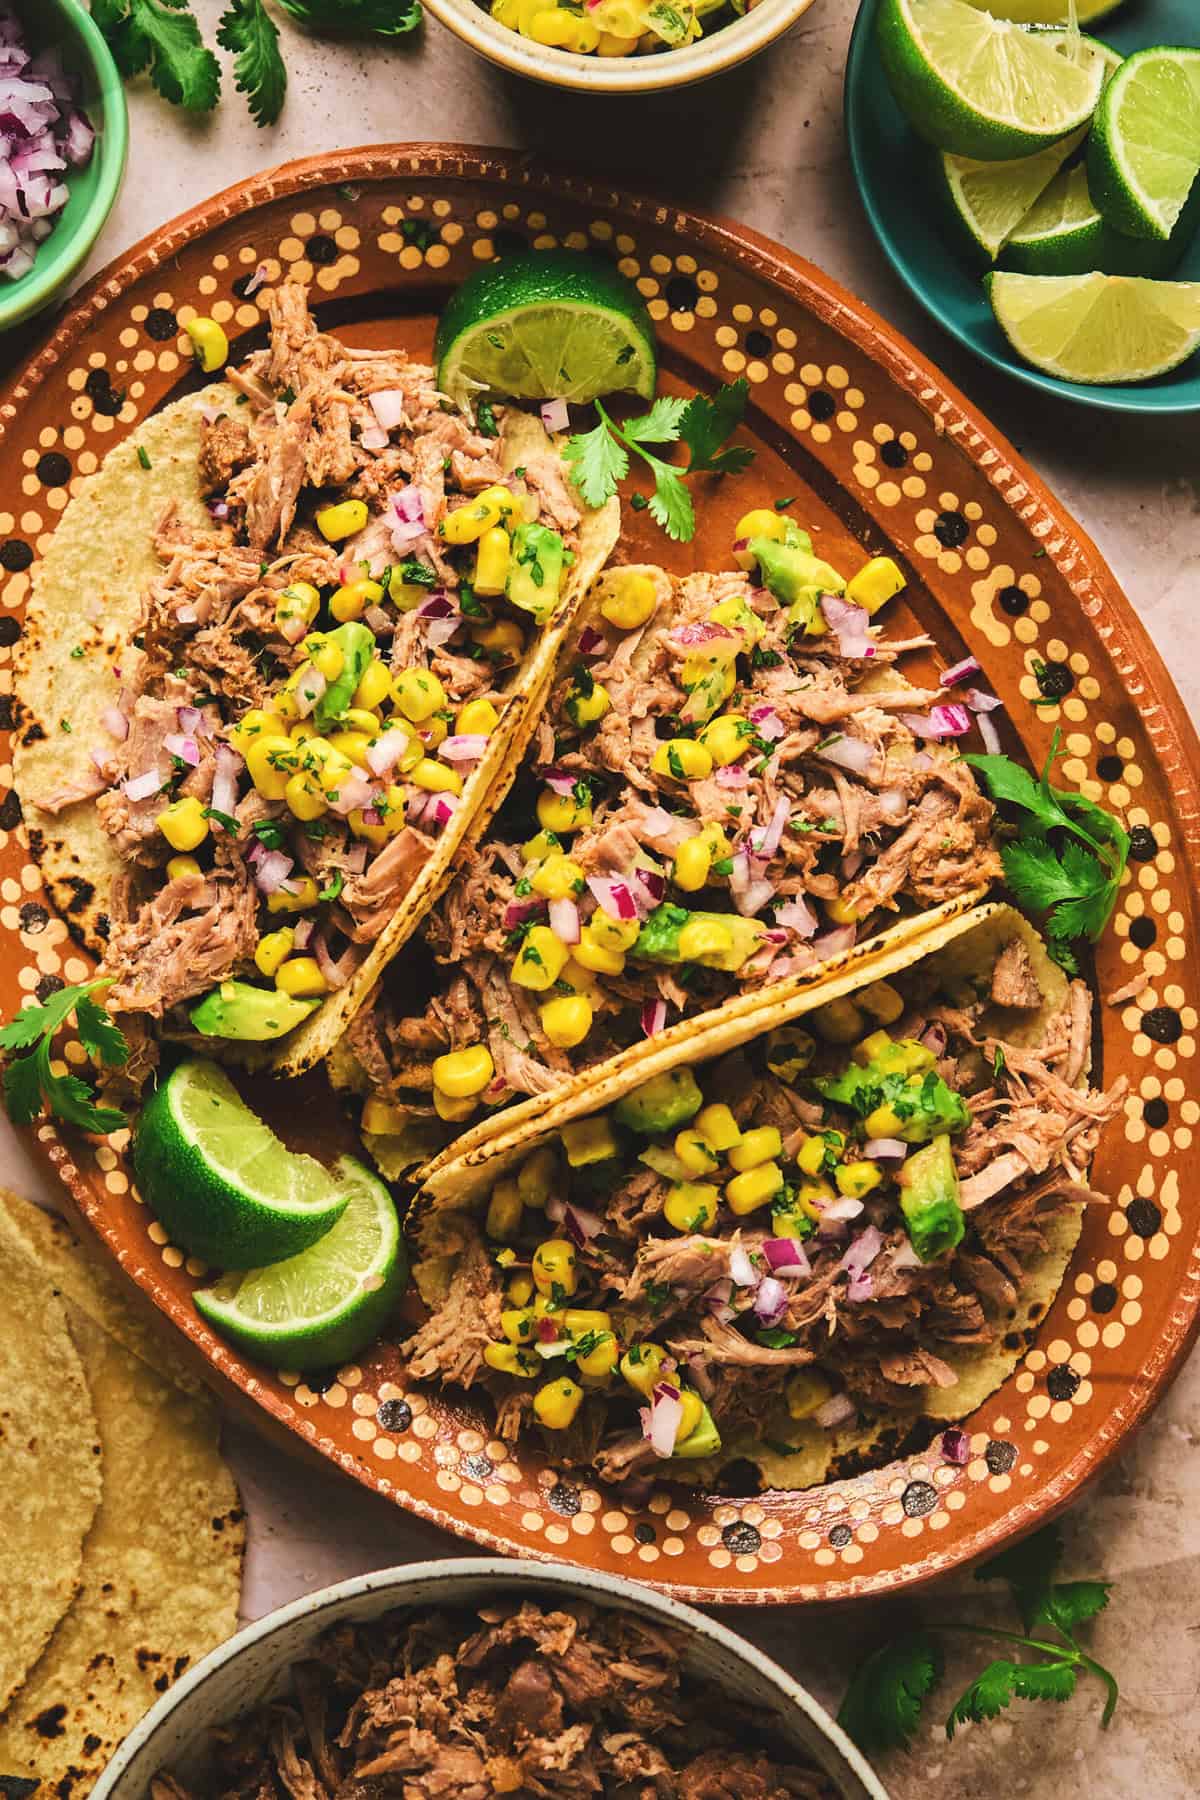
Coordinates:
(557, 326)
(1144, 151)
(220, 1181)
(991, 199)
(320, 1308)
(983, 87)
(1047, 12)
(1097, 328)
(1064, 234)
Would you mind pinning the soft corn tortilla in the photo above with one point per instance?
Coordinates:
(788, 1453)
(161, 1565)
(87, 594)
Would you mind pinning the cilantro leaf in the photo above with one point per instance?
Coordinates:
(72, 1099)
(670, 503)
(661, 424)
(30, 1082)
(1029, 1569)
(991, 1692)
(34, 1023)
(386, 18)
(599, 461)
(23, 1090)
(101, 1038)
(1045, 1680)
(163, 38)
(258, 70)
(1073, 1603)
(706, 424)
(882, 1706)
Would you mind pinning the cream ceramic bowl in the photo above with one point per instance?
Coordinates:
(652, 73)
(253, 1665)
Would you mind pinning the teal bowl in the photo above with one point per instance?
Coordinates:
(65, 25)
(892, 176)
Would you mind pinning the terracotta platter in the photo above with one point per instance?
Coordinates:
(881, 454)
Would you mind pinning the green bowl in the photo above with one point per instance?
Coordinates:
(65, 25)
(889, 163)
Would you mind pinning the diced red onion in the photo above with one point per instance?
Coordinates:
(718, 1294)
(960, 671)
(862, 1252)
(940, 722)
(892, 804)
(115, 723)
(749, 894)
(851, 864)
(989, 734)
(581, 1224)
(229, 766)
(838, 1211)
(103, 762)
(373, 438)
(255, 282)
(590, 643)
(741, 1269)
(850, 753)
(665, 1417)
(732, 775)
(833, 943)
(336, 970)
(354, 794)
(517, 911)
(463, 746)
(186, 749)
(442, 619)
(191, 720)
(834, 1411)
(559, 781)
(272, 871)
(849, 625)
(383, 755)
(766, 839)
(616, 897)
(956, 1446)
(768, 724)
(186, 615)
(786, 1256)
(442, 810)
(770, 1302)
(934, 1037)
(979, 702)
(555, 416)
(686, 636)
(388, 406)
(553, 1347)
(140, 787)
(658, 821)
(564, 920)
(884, 1149)
(41, 132)
(653, 886)
(307, 692)
(654, 1017)
(301, 932)
(372, 816)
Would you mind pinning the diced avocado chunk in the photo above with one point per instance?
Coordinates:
(791, 571)
(664, 1162)
(659, 939)
(536, 570)
(661, 1104)
(929, 1200)
(252, 1014)
(702, 1440)
(357, 645)
(588, 1141)
(911, 1107)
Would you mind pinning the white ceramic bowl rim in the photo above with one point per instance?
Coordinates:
(654, 72)
(489, 1568)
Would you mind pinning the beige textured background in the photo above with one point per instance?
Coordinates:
(765, 146)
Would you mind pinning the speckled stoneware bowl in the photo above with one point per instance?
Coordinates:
(254, 1664)
(882, 454)
(652, 73)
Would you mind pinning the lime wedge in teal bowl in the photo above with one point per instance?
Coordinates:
(898, 184)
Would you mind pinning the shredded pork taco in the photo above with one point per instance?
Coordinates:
(832, 1228)
(732, 785)
(283, 643)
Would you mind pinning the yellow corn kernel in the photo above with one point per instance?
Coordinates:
(842, 912)
(556, 1404)
(553, 1267)
(509, 1359)
(838, 1021)
(585, 36)
(587, 708)
(610, 45)
(493, 555)
(563, 812)
(855, 1179)
(323, 765)
(183, 823)
(539, 962)
(505, 13)
(452, 1110)
(477, 718)
(285, 703)
(789, 1052)
(691, 1205)
(567, 1019)
(695, 1152)
(434, 731)
(436, 777)
(762, 522)
(877, 582)
(579, 1319)
(301, 977)
(814, 1152)
(418, 694)
(341, 520)
(693, 1412)
(718, 1127)
(297, 603)
(254, 725)
(640, 1366)
(882, 1001)
(876, 1044)
(758, 1146)
(632, 596)
(273, 950)
(462, 1072)
(885, 1121)
(812, 1197)
(180, 867)
(536, 1177)
(806, 1390)
(390, 807)
(302, 730)
(501, 496)
(352, 601)
(613, 933)
(503, 638)
(682, 759)
(324, 655)
(304, 797)
(558, 878)
(381, 1119)
(297, 896)
(591, 953)
(361, 718)
(353, 745)
(704, 937)
(727, 738)
(746, 1193)
(598, 1362)
(520, 1292)
(209, 344)
(693, 860)
(504, 1209)
(540, 846)
(467, 524)
(552, 26)
(516, 1322)
(588, 1140)
(581, 981)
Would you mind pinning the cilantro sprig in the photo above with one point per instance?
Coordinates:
(600, 458)
(162, 39)
(1069, 854)
(29, 1081)
(882, 1707)
(258, 71)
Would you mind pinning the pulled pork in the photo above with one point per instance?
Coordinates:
(532, 1702)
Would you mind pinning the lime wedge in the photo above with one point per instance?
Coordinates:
(556, 326)
(1064, 234)
(1048, 12)
(220, 1181)
(1097, 328)
(320, 1308)
(990, 199)
(983, 87)
(1144, 151)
